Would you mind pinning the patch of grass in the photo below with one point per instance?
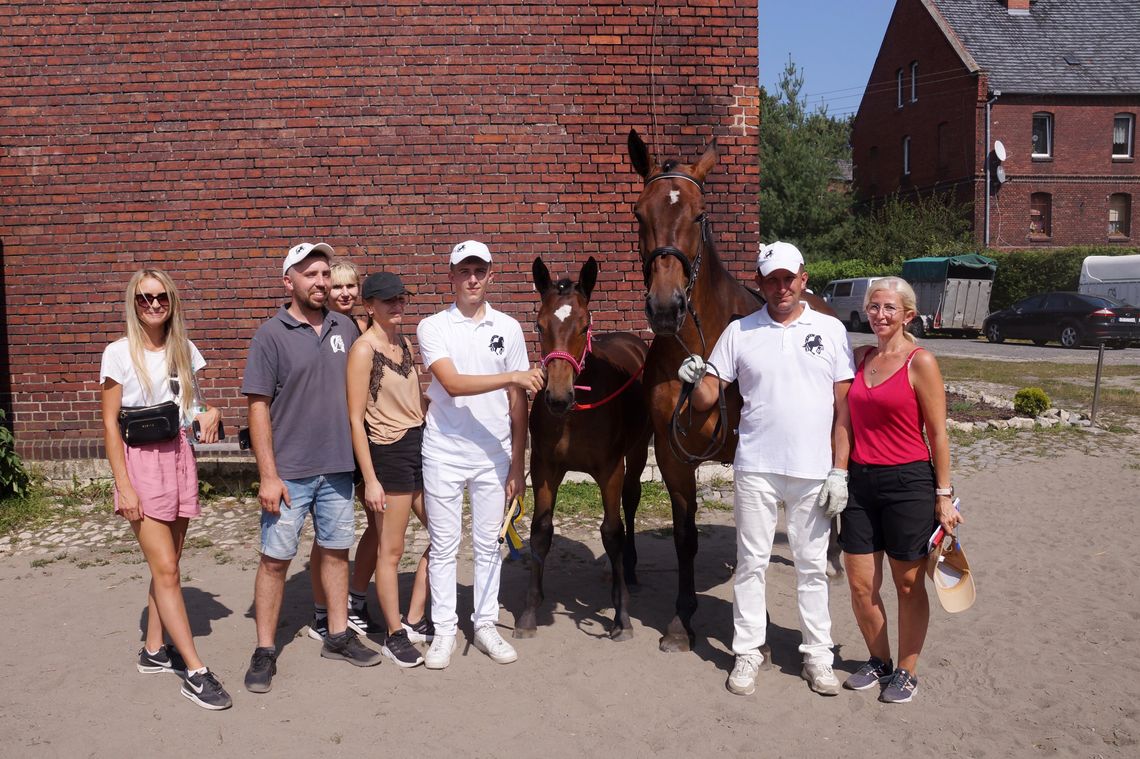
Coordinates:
(960, 407)
(100, 493)
(199, 541)
(93, 562)
(222, 557)
(44, 561)
(585, 499)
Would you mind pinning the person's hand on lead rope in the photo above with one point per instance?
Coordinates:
(832, 496)
(692, 370)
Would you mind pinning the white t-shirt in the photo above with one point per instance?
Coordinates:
(471, 430)
(117, 366)
(787, 378)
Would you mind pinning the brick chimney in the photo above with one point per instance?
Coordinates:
(1017, 7)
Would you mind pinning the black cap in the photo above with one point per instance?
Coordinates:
(382, 285)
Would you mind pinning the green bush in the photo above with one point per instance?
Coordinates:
(1021, 273)
(14, 478)
(820, 273)
(1031, 402)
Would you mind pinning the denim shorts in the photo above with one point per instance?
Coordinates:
(329, 498)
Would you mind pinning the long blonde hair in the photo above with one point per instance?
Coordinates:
(177, 343)
(905, 292)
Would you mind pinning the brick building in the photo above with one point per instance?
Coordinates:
(206, 138)
(1056, 82)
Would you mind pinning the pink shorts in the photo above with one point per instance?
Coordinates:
(165, 477)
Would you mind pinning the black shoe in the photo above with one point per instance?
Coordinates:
(205, 690)
(900, 689)
(361, 621)
(347, 647)
(399, 649)
(421, 632)
(319, 628)
(262, 668)
(166, 660)
(874, 672)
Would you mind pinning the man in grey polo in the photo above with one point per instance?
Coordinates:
(298, 420)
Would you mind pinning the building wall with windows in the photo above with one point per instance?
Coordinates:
(206, 138)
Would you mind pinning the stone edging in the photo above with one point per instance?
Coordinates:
(1052, 417)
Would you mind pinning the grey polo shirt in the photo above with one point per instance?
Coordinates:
(304, 374)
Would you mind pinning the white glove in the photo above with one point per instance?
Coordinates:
(832, 496)
(692, 369)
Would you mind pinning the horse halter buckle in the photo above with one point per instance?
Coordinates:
(579, 364)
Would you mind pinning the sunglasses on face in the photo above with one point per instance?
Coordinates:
(160, 300)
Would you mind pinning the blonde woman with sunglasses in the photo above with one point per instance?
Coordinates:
(156, 483)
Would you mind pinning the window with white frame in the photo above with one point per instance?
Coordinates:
(914, 81)
(1123, 130)
(1119, 214)
(1042, 135)
(906, 156)
(899, 88)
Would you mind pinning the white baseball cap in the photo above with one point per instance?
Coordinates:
(299, 253)
(469, 249)
(779, 255)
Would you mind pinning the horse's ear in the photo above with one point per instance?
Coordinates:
(705, 163)
(588, 277)
(639, 154)
(541, 275)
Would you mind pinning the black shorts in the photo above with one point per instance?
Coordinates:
(889, 508)
(399, 466)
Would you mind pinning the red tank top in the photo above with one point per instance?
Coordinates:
(886, 420)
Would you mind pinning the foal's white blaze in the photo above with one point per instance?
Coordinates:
(563, 311)
(674, 196)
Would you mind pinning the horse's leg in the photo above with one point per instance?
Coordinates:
(545, 480)
(682, 483)
(834, 563)
(630, 500)
(613, 539)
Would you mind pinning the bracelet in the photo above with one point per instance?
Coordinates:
(948, 492)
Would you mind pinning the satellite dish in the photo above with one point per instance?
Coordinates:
(999, 174)
(999, 150)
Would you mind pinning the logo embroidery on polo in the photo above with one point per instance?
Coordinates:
(813, 344)
(336, 342)
(498, 345)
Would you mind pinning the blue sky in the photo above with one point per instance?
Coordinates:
(833, 42)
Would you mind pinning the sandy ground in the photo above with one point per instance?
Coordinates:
(1043, 665)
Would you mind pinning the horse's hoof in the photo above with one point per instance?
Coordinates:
(621, 633)
(675, 644)
(834, 572)
(524, 632)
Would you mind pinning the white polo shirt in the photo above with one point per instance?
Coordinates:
(787, 377)
(472, 430)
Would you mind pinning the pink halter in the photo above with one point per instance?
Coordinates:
(578, 363)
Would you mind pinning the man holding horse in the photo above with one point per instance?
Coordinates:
(475, 438)
(794, 368)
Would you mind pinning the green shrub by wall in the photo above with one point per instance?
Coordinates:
(1022, 273)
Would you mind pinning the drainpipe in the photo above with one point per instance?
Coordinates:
(993, 97)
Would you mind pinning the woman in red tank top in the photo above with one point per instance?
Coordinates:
(900, 489)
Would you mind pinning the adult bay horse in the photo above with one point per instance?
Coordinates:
(591, 417)
(690, 299)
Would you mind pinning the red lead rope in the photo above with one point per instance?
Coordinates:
(611, 396)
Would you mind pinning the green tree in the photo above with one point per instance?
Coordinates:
(902, 228)
(801, 199)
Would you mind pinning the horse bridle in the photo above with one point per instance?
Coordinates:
(692, 268)
(579, 364)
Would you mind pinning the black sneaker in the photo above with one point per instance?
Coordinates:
(900, 689)
(347, 647)
(166, 660)
(874, 672)
(399, 649)
(421, 632)
(262, 668)
(205, 690)
(361, 621)
(319, 628)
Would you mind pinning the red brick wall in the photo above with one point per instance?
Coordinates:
(205, 139)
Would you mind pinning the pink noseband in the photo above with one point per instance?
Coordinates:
(578, 363)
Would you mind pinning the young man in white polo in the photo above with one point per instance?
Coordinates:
(474, 439)
(794, 367)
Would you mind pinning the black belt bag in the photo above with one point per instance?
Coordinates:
(140, 425)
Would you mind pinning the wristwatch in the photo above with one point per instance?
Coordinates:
(945, 491)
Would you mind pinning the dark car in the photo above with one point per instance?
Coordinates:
(1072, 319)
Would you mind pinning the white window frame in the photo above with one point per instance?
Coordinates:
(1130, 137)
(899, 88)
(1048, 135)
(906, 156)
(914, 81)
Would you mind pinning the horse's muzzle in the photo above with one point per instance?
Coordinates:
(665, 319)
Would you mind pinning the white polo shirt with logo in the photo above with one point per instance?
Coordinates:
(471, 430)
(787, 377)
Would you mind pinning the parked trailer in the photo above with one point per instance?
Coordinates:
(1112, 277)
(952, 292)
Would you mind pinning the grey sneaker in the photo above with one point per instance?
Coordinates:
(742, 680)
(820, 678)
(874, 672)
(206, 691)
(900, 689)
(439, 655)
(166, 660)
(421, 632)
(400, 650)
(347, 647)
(262, 668)
(488, 640)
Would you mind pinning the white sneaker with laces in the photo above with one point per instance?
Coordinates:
(488, 640)
(439, 655)
(820, 678)
(742, 681)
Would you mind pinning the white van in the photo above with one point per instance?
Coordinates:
(846, 297)
(1113, 277)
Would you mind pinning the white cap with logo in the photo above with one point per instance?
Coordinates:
(470, 249)
(779, 255)
(299, 253)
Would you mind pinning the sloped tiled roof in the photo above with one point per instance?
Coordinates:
(1027, 53)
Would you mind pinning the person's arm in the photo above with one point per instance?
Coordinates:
(841, 427)
(457, 384)
(706, 391)
(359, 373)
(926, 378)
(516, 479)
(271, 489)
(112, 402)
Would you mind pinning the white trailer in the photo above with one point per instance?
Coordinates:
(1113, 277)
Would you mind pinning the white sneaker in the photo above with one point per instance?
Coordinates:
(742, 681)
(820, 678)
(439, 655)
(488, 640)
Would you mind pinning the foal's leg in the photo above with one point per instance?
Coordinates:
(613, 538)
(545, 480)
(630, 500)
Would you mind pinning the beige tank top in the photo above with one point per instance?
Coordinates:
(393, 397)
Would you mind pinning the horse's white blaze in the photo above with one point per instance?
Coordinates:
(674, 196)
(563, 311)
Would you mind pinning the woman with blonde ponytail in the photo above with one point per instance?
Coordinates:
(156, 483)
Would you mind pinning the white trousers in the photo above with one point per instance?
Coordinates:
(757, 498)
(443, 501)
